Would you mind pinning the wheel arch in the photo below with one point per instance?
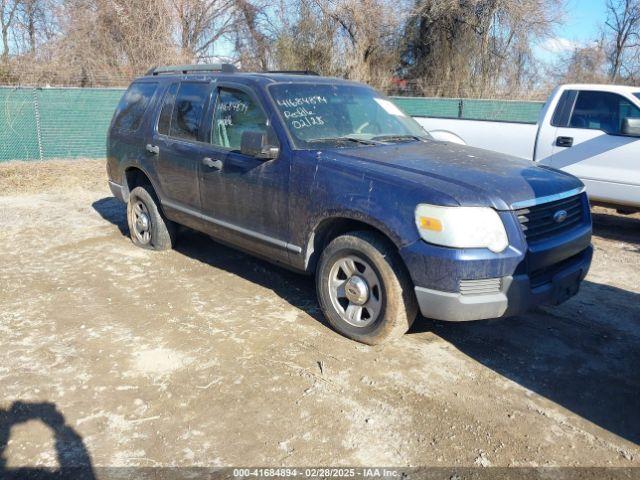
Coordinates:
(333, 226)
(135, 176)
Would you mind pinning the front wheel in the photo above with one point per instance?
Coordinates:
(364, 290)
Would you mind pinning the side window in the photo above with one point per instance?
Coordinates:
(235, 113)
(187, 110)
(627, 110)
(132, 106)
(563, 109)
(602, 111)
(164, 120)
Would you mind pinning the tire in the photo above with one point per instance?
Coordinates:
(148, 227)
(378, 312)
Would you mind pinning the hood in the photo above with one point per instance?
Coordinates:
(471, 176)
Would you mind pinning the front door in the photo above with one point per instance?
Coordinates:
(592, 147)
(244, 199)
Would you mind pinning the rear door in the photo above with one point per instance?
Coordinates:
(177, 144)
(590, 145)
(244, 198)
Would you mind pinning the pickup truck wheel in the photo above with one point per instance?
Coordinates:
(147, 225)
(363, 288)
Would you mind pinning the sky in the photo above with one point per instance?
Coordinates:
(583, 22)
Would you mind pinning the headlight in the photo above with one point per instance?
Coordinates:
(461, 227)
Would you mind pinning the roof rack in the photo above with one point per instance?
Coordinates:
(184, 69)
(295, 72)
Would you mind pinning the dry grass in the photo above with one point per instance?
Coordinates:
(38, 177)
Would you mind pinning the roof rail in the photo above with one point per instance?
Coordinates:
(295, 72)
(184, 69)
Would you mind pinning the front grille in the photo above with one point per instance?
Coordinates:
(479, 287)
(538, 224)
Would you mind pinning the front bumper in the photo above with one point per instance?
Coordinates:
(518, 293)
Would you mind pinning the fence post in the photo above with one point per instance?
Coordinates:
(36, 109)
(460, 108)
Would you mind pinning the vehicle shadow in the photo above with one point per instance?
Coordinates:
(610, 225)
(584, 362)
(296, 289)
(72, 455)
(113, 211)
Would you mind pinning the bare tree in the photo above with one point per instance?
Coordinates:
(623, 21)
(368, 30)
(308, 41)
(475, 47)
(356, 39)
(109, 41)
(252, 43)
(201, 23)
(8, 10)
(35, 24)
(582, 65)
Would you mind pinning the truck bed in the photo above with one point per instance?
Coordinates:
(512, 138)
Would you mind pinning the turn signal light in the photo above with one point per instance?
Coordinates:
(428, 223)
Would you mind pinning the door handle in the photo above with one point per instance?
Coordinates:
(209, 162)
(153, 149)
(564, 142)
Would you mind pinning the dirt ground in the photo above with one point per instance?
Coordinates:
(204, 356)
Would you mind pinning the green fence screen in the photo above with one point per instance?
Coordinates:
(38, 124)
(45, 123)
(470, 109)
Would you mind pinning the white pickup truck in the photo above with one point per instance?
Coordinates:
(591, 131)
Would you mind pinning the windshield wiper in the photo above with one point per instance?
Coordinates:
(346, 138)
(391, 138)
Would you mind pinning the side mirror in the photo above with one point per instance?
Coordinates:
(631, 126)
(254, 144)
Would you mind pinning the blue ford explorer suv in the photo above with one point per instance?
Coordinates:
(328, 177)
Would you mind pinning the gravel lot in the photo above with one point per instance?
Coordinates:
(204, 356)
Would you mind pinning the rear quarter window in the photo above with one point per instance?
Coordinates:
(133, 106)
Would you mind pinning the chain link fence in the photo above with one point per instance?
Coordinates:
(46, 123)
(471, 109)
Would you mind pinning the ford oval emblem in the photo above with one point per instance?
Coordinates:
(560, 216)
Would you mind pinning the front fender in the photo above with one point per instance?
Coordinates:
(336, 215)
(324, 189)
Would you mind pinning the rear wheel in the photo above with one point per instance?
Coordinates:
(148, 227)
(364, 289)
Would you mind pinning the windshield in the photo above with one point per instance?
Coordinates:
(637, 94)
(342, 116)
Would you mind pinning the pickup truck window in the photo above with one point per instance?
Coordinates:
(187, 110)
(235, 113)
(341, 115)
(134, 103)
(563, 110)
(602, 111)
